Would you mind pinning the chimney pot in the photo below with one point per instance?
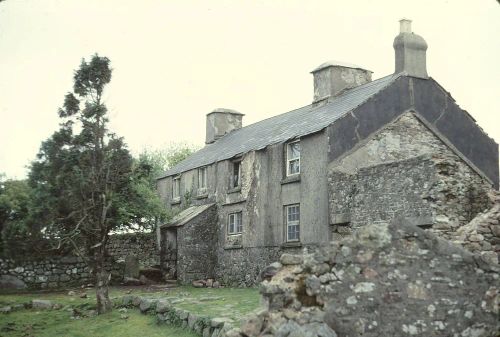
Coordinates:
(405, 26)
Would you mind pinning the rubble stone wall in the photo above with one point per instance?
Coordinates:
(196, 247)
(52, 272)
(384, 280)
(241, 267)
(439, 193)
(142, 245)
(66, 271)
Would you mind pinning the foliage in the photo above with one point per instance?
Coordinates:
(149, 165)
(15, 196)
(83, 179)
(159, 160)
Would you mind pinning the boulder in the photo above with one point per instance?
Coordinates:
(131, 269)
(41, 304)
(11, 282)
(130, 281)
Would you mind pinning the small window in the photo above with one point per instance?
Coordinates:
(292, 223)
(236, 175)
(202, 178)
(234, 225)
(176, 188)
(293, 158)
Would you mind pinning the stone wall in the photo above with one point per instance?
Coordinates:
(385, 280)
(241, 267)
(196, 242)
(482, 234)
(67, 271)
(438, 192)
(381, 192)
(142, 245)
(52, 272)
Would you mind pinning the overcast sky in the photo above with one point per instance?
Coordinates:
(175, 61)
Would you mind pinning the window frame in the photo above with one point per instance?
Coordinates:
(202, 173)
(289, 160)
(289, 223)
(176, 182)
(238, 228)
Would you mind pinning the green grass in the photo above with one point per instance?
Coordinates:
(49, 323)
(232, 303)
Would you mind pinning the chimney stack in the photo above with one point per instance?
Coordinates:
(410, 51)
(220, 122)
(333, 78)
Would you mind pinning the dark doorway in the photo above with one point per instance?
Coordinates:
(169, 253)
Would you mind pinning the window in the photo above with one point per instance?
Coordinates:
(202, 178)
(293, 158)
(292, 223)
(176, 188)
(234, 225)
(236, 175)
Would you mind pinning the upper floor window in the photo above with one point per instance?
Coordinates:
(292, 214)
(236, 175)
(293, 158)
(234, 224)
(202, 178)
(176, 187)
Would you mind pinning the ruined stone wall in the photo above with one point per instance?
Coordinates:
(482, 234)
(196, 247)
(142, 245)
(385, 280)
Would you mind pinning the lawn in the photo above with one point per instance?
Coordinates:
(50, 323)
(231, 303)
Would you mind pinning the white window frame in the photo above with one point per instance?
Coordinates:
(176, 188)
(291, 213)
(233, 176)
(290, 159)
(202, 179)
(235, 223)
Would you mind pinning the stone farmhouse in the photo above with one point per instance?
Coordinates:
(362, 152)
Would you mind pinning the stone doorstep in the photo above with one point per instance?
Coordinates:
(166, 312)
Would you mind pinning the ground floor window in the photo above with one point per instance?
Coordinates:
(234, 225)
(292, 214)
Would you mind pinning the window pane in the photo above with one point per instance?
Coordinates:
(236, 174)
(293, 150)
(293, 223)
(239, 227)
(202, 177)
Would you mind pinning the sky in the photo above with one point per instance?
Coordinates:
(175, 61)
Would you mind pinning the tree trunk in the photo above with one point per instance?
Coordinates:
(104, 304)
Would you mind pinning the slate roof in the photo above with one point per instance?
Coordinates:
(280, 128)
(187, 215)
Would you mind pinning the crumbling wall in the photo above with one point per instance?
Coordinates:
(482, 234)
(385, 280)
